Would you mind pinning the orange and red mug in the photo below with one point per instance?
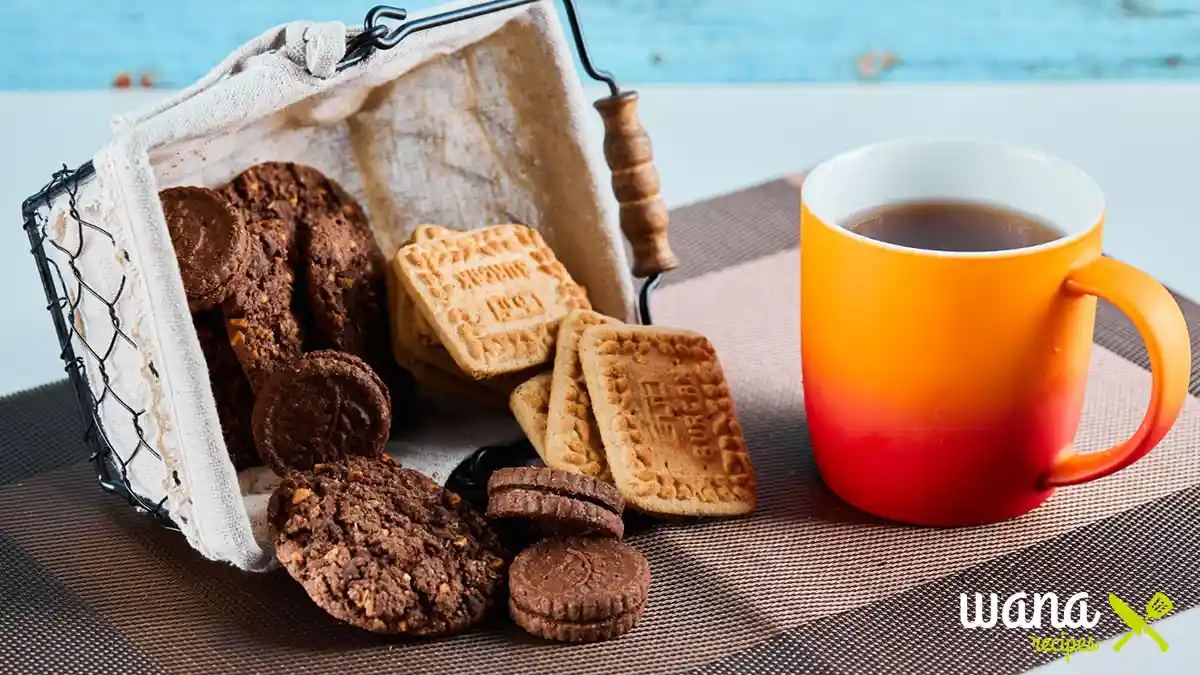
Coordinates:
(945, 388)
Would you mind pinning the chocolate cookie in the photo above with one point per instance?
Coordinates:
(554, 514)
(293, 205)
(554, 481)
(293, 193)
(385, 548)
(210, 243)
(578, 589)
(321, 408)
(347, 288)
(559, 502)
(263, 319)
(231, 390)
(269, 322)
(262, 325)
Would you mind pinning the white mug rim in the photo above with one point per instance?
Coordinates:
(817, 182)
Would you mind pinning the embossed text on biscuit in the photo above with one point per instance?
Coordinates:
(494, 273)
(516, 306)
(670, 406)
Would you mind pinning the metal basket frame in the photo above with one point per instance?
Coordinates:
(111, 468)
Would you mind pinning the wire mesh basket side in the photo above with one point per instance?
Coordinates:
(58, 284)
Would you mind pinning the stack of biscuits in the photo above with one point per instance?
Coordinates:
(644, 408)
(580, 583)
(309, 333)
(474, 313)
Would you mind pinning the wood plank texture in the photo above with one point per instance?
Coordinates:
(83, 44)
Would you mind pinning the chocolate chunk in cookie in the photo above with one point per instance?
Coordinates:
(347, 287)
(210, 243)
(386, 549)
(230, 389)
(578, 589)
(321, 408)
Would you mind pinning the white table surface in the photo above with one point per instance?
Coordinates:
(1140, 141)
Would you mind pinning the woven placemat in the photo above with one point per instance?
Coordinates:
(807, 583)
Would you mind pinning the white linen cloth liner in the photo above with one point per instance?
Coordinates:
(470, 124)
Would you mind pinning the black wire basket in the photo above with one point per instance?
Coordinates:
(65, 286)
(111, 468)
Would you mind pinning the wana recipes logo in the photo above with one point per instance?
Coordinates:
(1041, 611)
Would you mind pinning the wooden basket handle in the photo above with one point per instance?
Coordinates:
(644, 217)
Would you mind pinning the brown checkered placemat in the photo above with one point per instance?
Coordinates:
(805, 584)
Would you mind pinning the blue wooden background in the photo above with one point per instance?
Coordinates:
(84, 44)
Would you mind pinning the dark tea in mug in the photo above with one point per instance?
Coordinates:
(952, 226)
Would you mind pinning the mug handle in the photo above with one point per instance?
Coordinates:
(1157, 317)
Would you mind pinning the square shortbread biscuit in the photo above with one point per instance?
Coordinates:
(572, 440)
(425, 232)
(419, 339)
(665, 413)
(400, 315)
(494, 296)
(529, 402)
(416, 334)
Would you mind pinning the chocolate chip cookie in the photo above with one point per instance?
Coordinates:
(261, 321)
(347, 287)
(210, 243)
(323, 407)
(265, 317)
(386, 549)
(293, 193)
(307, 223)
(578, 589)
(269, 322)
(231, 390)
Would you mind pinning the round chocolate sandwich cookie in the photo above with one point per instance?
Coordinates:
(210, 243)
(323, 407)
(556, 515)
(578, 589)
(385, 548)
(555, 481)
(558, 502)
